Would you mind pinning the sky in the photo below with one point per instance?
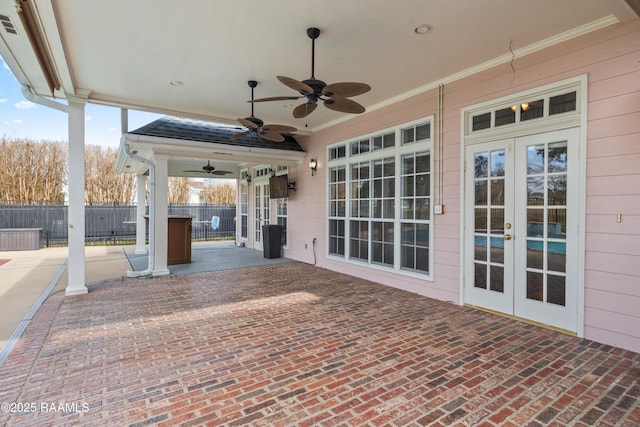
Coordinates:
(21, 118)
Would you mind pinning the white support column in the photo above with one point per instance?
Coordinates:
(160, 211)
(141, 196)
(76, 268)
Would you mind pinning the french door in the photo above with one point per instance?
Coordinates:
(262, 211)
(521, 227)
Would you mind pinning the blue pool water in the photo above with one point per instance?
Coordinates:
(534, 245)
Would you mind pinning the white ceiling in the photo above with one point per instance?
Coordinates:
(126, 52)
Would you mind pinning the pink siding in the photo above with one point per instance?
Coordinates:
(611, 59)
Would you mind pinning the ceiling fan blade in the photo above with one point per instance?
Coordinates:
(275, 98)
(303, 110)
(278, 128)
(239, 135)
(344, 105)
(248, 123)
(296, 85)
(345, 89)
(194, 171)
(271, 136)
(217, 172)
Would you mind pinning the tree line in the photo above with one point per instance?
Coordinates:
(36, 171)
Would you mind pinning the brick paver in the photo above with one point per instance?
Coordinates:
(296, 345)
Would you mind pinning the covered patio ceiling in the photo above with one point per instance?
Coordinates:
(193, 59)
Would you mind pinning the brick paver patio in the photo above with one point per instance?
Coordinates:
(296, 345)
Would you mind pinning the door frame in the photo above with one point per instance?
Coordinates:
(573, 119)
(262, 183)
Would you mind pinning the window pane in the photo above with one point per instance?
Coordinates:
(481, 164)
(557, 190)
(423, 185)
(505, 116)
(423, 132)
(535, 252)
(389, 140)
(531, 110)
(496, 278)
(535, 159)
(423, 163)
(422, 210)
(407, 186)
(497, 192)
(562, 103)
(535, 222)
(407, 209)
(407, 165)
(497, 221)
(422, 259)
(556, 223)
(481, 121)
(535, 285)
(377, 143)
(557, 155)
(480, 248)
(535, 191)
(408, 135)
(556, 289)
(422, 235)
(481, 220)
(497, 250)
(497, 163)
(480, 276)
(556, 256)
(481, 192)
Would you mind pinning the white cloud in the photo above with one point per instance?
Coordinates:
(24, 105)
(88, 118)
(13, 122)
(111, 129)
(3, 100)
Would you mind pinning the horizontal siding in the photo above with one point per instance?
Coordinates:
(609, 58)
(613, 302)
(620, 284)
(609, 224)
(612, 260)
(614, 185)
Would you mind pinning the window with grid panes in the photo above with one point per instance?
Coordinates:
(337, 209)
(388, 199)
(244, 209)
(416, 211)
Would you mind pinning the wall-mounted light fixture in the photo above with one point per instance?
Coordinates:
(313, 165)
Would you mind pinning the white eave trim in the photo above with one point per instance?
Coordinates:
(174, 147)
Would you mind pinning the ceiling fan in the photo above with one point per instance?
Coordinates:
(335, 96)
(257, 126)
(210, 170)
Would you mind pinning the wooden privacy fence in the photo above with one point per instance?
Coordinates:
(111, 223)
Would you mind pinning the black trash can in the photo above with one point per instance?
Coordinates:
(272, 240)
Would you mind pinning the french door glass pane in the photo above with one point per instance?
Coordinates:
(480, 276)
(547, 190)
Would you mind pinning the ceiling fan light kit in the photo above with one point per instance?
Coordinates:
(334, 96)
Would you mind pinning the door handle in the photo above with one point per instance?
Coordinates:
(507, 237)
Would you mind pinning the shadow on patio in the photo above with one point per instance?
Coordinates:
(293, 344)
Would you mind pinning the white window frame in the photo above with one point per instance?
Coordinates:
(244, 202)
(397, 152)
